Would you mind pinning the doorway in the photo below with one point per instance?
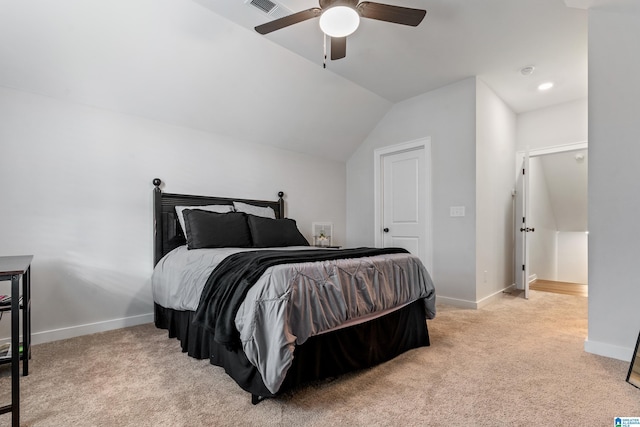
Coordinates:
(558, 250)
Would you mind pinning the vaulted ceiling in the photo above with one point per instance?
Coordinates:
(177, 62)
(200, 64)
(492, 39)
(566, 177)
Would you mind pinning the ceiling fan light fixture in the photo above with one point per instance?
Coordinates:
(339, 21)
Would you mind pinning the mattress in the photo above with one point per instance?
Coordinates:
(292, 302)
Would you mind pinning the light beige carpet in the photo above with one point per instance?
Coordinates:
(512, 363)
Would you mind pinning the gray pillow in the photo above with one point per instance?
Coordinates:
(266, 212)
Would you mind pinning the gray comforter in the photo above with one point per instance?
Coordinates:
(292, 302)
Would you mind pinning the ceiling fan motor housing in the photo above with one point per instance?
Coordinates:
(339, 29)
(325, 4)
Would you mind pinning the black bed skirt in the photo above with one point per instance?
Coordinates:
(322, 356)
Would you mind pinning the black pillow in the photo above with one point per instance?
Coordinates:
(216, 230)
(267, 232)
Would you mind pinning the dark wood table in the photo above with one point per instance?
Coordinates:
(16, 269)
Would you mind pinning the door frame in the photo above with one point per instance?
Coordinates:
(537, 152)
(379, 154)
(522, 210)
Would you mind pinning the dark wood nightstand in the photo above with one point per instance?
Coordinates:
(16, 269)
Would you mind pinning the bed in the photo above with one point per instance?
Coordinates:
(295, 322)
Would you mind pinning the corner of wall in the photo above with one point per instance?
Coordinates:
(608, 350)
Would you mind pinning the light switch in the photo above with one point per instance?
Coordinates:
(456, 211)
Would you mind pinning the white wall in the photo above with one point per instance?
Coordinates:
(473, 145)
(560, 124)
(573, 257)
(567, 182)
(495, 151)
(543, 249)
(447, 115)
(76, 192)
(614, 153)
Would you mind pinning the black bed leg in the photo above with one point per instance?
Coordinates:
(255, 399)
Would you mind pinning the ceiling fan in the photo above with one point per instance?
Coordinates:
(339, 18)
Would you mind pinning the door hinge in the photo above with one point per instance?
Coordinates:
(523, 220)
(523, 171)
(522, 267)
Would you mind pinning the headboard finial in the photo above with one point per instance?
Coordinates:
(281, 194)
(157, 182)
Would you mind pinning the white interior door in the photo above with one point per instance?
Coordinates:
(521, 229)
(404, 204)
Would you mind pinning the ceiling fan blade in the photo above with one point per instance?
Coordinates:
(338, 48)
(285, 21)
(389, 13)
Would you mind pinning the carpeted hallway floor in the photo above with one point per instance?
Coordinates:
(512, 363)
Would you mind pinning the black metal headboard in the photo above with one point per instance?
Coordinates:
(167, 233)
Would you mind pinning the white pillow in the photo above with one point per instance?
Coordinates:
(208, 208)
(265, 212)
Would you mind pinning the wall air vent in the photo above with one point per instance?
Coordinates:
(272, 9)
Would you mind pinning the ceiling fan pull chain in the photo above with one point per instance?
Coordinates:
(324, 62)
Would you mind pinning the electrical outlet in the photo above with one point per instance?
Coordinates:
(456, 211)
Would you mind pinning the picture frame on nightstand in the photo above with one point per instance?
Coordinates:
(322, 232)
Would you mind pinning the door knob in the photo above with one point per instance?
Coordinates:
(386, 230)
(532, 229)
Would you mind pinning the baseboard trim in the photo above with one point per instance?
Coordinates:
(608, 350)
(533, 278)
(475, 305)
(89, 328)
(489, 299)
(460, 303)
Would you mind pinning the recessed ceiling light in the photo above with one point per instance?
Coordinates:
(545, 86)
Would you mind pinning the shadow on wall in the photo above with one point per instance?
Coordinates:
(72, 293)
